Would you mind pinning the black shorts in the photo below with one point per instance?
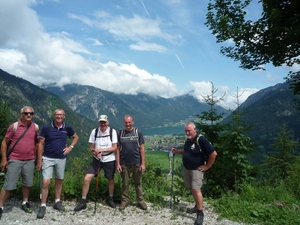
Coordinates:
(108, 167)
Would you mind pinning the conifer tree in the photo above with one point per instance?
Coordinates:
(278, 163)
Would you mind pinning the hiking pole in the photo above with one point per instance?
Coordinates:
(97, 184)
(40, 182)
(172, 156)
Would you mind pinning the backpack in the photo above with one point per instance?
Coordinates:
(15, 127)
(110, 133)
(136, 135)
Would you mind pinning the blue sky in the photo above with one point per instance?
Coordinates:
(158, 47)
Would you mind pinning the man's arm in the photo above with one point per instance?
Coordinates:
(118, 166)
(211, 159)
(68, 149)
(40, 151)
(143, 160)
(4, 144)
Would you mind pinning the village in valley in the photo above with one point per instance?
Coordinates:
(164, 142)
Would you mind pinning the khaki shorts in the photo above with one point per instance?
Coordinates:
(193, 178)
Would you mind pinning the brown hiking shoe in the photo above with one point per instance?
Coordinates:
(143, 205)
(122, 206)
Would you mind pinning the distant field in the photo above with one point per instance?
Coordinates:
(162, 158)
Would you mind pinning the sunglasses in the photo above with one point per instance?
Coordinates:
(28, 113)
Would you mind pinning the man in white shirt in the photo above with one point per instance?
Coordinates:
(103, 145)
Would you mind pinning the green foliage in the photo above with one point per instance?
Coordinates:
(278, 164)
(273, 38)
(209, 121)
(254, 45)
(293, 173)
(267, 205)
(5, 118)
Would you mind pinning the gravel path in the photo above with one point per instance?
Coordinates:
(105, 215)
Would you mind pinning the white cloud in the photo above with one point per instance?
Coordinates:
(143, 46)
(55, 57)
(204, 88)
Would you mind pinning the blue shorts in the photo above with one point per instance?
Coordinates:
(50, 164)
(14, 169)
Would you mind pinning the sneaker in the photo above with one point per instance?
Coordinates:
(143, 205)
(81, 205)
(192, 210)
(26, 207)
(1, 210)
(199, 219)
(58, 206)
(41, 212)
(122, 206)
(110, 202)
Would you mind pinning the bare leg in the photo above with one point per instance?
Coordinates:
(45, 190)
(3, 196)
(86, 184)
(58, 188)
(197, 194)
(25, 191)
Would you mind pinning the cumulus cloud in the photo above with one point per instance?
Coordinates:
(44, 57)
(229, 99)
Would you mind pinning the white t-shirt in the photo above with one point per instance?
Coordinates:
(103, 141)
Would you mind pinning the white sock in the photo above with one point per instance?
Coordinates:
(24, 202)
(57, 200)
(83, 197)
(43, 204)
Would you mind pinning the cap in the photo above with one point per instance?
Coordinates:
(103, 118)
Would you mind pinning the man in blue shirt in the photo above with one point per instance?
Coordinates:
(52, 153)
(195, 151)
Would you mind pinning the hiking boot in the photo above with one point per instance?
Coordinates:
(80, 206)
(26, 207)
(1, 210)
(199, 219)
(122, 206)
(58, 206)
(192, 210)
(110, 202)
(41, 212)
(143, 205)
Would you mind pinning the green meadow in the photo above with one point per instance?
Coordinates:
(162, 158)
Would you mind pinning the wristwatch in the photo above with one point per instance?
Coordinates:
(71, 146)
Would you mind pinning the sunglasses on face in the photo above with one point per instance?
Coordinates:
(28, 113)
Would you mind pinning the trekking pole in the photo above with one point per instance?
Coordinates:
(172, 156)
(97, 184)
(40, 182)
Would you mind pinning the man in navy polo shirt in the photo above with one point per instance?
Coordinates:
(52, 153)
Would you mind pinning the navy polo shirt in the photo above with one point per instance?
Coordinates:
(56, 140)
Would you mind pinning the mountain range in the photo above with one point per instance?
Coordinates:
(147, 111)
(267, 110)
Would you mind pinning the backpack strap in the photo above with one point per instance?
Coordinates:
(136, 134)
(197, 141)
(15, 127)
(96, 132)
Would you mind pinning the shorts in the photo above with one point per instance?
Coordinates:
(14, 169)
(50, 164)
(193, 178)
(108, 167)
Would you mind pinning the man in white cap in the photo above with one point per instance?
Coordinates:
(103, 145)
